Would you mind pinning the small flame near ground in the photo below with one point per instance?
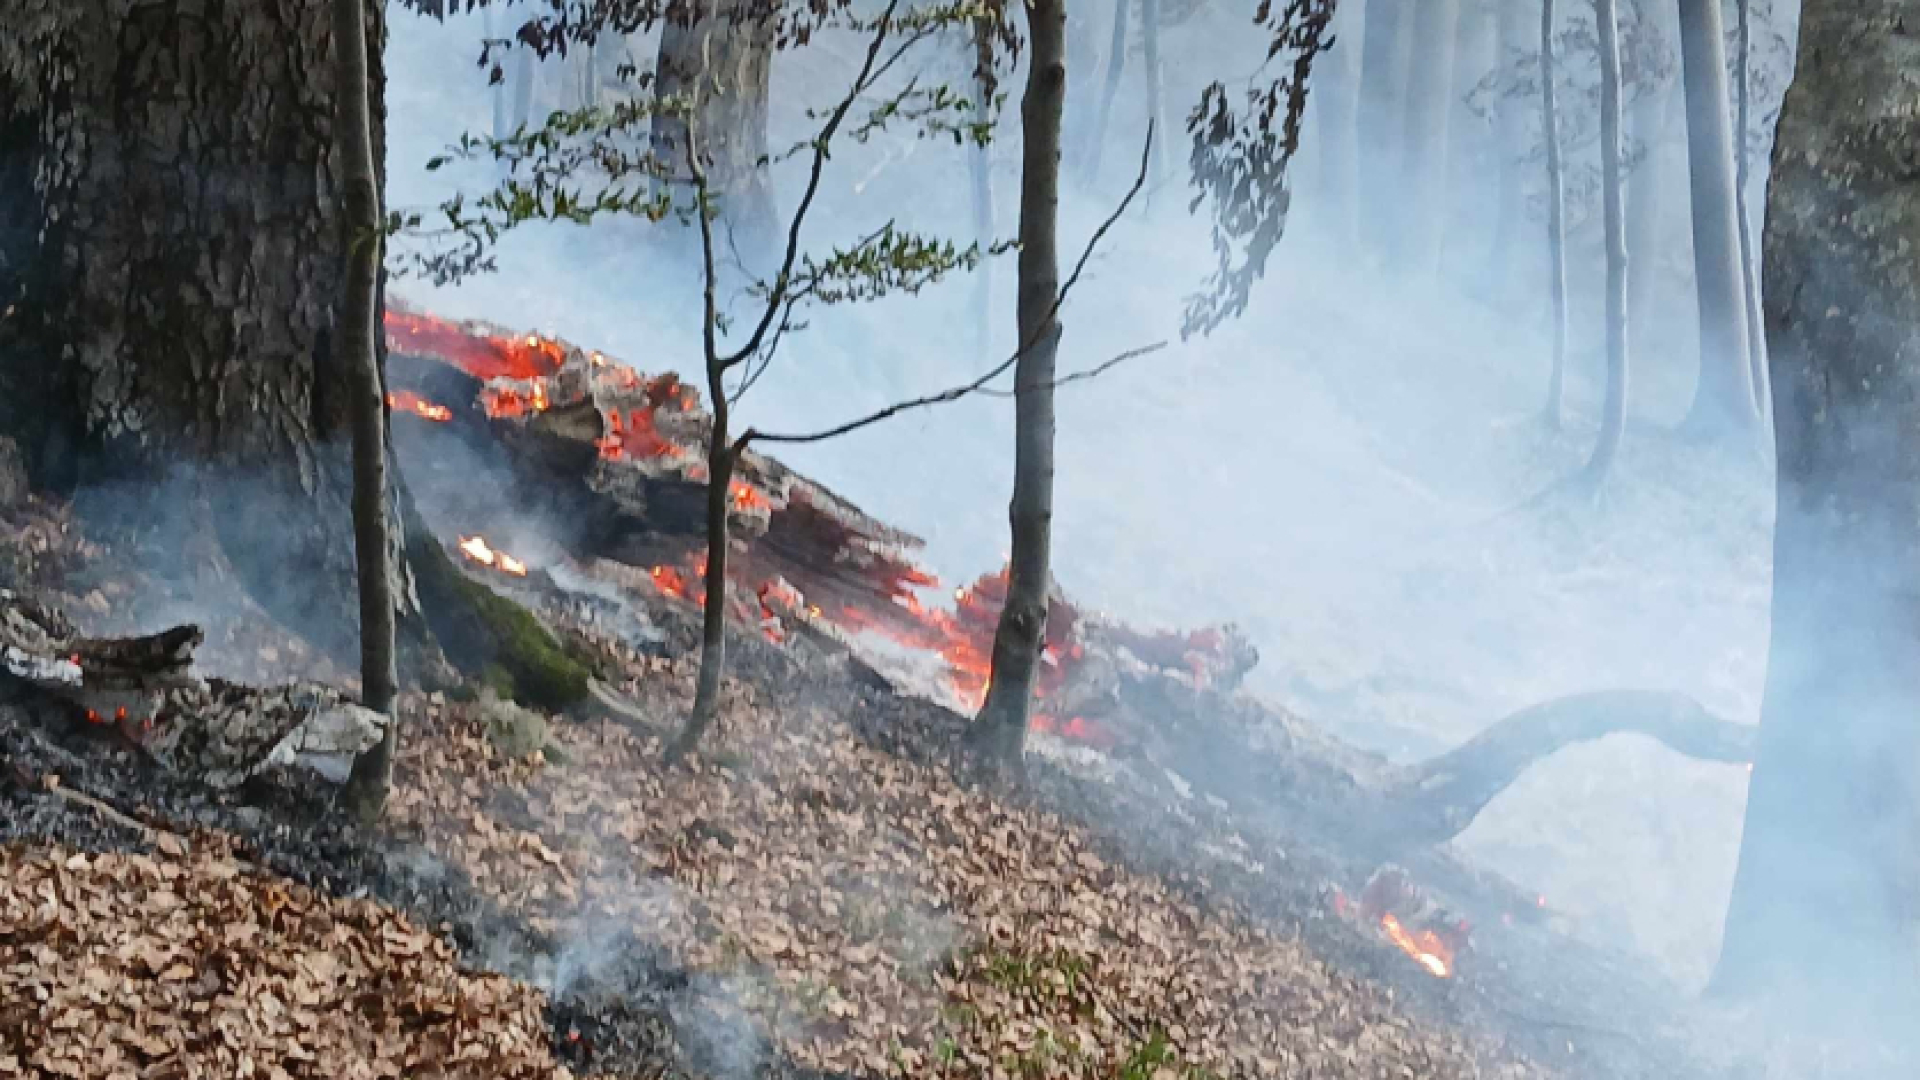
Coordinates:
(406, 401)
(477, 549)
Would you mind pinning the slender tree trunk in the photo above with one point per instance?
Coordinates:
(1150, 39)
(1723, 399)
(1613, 418)
(1749, 264)
(498, 91)
(713, 623)
(980, 168)
(1386, 60)
(723, 62)
(1001, 728)
(1823, 911)
(1336, 111)
(1510, 147)
(356, 345)
(523, 77)
(1651, 119)
(1556, 218)
(1429, 112)
(1116, 69)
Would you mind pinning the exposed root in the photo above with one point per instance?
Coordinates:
(1437, 800)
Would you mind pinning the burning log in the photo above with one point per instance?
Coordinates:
(143, 688)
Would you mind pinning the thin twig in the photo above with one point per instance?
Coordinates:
(81, 798)
(1090, 373)
(955, 393)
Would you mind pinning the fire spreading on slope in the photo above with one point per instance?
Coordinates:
(655, 425)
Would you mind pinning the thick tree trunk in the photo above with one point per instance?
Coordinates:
(1823, 905)
(356, 346)
(176, 324)
(1001, 727)
(1613, 417)
(1336, 110)
(1386, 59)
(1723, 399)
(721, 62)
(1556, 219)
(1742, 182)
(1429, 115)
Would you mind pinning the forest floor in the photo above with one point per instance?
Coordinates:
(815, 895)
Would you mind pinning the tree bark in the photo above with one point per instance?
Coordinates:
(1150, 41)
(176, 327)
(980, 168)
(1742, 182)
(1336, 111)
(722, 61)
(1613, 418)
(1510, 146)
(1556, 219)
(356, 344)
(1650, 122)
(1723, 399)
(1823, 902)
(1429, 114)
(1116, 69)
(1001, 727)
(1386, 59)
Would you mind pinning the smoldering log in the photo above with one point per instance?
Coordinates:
(143, 688)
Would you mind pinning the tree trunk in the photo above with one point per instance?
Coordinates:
(1556, 219)
(356, 346)
(1823, 902)
(176, 327)
(1150, 39)
(1723, 399)
(980, 168)
(1386, 58)
(1001, 728)
(713, 622)
(721, 61)
(1429, 112)
(1742, 181)
(1650, 122)
(1613, 418)
(1116, 69)
(1336, 110)
(1510, 147)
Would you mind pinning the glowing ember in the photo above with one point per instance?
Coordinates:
(477, 549)
(407, 401)
(670, 581)
(478, 354)
(1425, 946)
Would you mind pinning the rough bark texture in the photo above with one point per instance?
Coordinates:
(1613, 418)
(1336, 112)
(1556, 218)
(1386, 58)
(1002, 723)
(1724, 397)
(1742, 181)
(1429, 113)
(357, 353)
(980, 170)
(1823, 904)
(178, 305)
(722, 62)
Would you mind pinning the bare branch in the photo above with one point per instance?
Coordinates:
(955, 393)
(710, 311)
(1091, 373)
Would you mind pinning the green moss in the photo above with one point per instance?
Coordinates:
(492, 638)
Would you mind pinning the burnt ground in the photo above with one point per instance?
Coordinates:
(632, 999)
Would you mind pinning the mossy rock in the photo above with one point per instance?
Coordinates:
(517, 732)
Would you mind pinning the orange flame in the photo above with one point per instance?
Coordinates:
(477, 549)
(1425, 947)
(409, 402)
